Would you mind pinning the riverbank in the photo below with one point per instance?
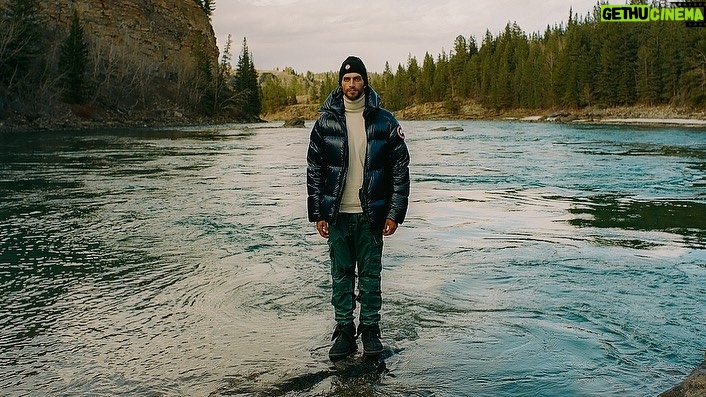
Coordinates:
(76, 119)
(474, 111)
(655, 115)
(593, 114)
(85, 118)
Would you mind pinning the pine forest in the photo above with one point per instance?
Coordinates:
(578, 64)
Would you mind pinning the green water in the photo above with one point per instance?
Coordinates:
(536, 260)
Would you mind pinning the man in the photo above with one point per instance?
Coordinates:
(358, 189)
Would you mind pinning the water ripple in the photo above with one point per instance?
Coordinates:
(536, 260)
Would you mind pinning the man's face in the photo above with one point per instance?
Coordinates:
(352, 84)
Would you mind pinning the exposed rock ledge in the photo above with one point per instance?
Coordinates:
(638, 114)
(693, 386)
(296, 122)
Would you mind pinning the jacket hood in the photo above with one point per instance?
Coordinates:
(334, 102)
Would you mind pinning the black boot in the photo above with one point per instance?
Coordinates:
(370, 335)
(345, 343)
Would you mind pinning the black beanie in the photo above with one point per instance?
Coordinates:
(353, 65)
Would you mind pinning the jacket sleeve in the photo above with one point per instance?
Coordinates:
(315, 174)
(399, 164)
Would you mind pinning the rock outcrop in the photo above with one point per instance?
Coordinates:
(144, 56)
(693, 386)
(162, 33)
(296, 122)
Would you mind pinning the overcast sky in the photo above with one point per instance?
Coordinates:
(317, 35)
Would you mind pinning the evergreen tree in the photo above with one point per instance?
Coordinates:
(521, 78)
(471, 71)
(396, 98)
(534, 76)
(247, 86)
(226, 58)
(204, 82)
(457, 63)
(224, 99)
(413, 71)
(329, 83)
(73, 60)
(671, 49)
(552, 44)
(426, 79)
(626, 78)
(567, 67)
(387, 81)
(487, 70)
(610, 58)
(648, 65)
(503, 89)
(274, 95)
(208, 6)
(577, 64)
(693, 83)
(21, 43)
(441, 90)
(587, 63)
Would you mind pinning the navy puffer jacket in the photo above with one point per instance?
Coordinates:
(385, 190)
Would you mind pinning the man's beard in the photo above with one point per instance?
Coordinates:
(358, 94)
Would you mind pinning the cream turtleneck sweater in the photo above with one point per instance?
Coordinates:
(357, 143)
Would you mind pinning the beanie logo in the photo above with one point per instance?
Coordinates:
(348, 66)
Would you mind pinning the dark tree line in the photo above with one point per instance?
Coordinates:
(59, 66)
(227, 91)
(22, 49)
(584, 63)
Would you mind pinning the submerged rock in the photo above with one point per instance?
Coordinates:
(296, 122)
(447, 129)
(693, 386)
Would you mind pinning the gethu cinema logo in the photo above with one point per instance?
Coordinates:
(690, 12)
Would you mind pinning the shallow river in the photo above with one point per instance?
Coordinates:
(536, 260)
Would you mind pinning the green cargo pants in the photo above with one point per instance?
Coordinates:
(352, 241)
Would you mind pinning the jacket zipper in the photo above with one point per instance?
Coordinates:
(344, 168)
(362, 196)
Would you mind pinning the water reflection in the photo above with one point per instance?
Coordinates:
(355, 376)
(686, 218)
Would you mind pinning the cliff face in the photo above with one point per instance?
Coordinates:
(142, 53)
(164, 33)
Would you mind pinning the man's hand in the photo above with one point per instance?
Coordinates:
(389, 228)
(322, 228)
